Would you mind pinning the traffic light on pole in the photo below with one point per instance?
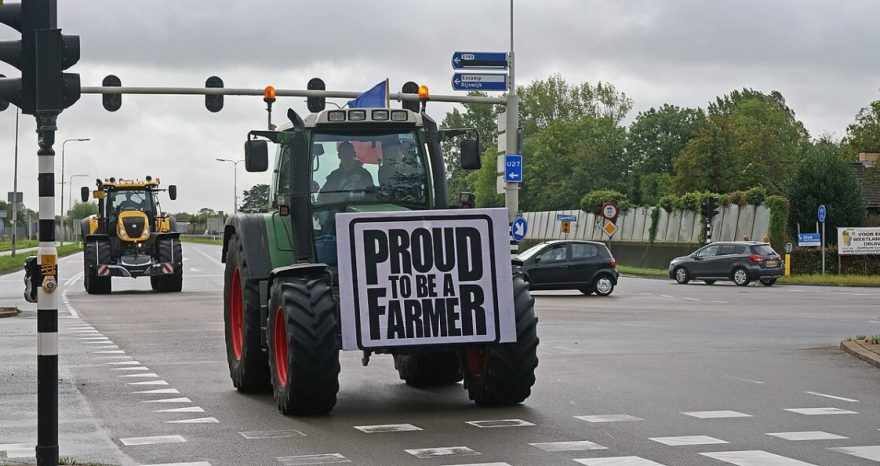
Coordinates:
(13, 90)
(56, 90)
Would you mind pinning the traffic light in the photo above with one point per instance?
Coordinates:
(56, 52)
(214, 103)
(12, 90)
(710, 208)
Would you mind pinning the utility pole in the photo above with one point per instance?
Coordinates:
(511, 197)
(62, 182)
(234, 182)
(15, 185)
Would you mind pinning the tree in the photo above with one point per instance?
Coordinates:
(863, 135)
(255, 199)
(544, 102)
(824, 177)
(750, 139)
(81, 210)
(481, 117)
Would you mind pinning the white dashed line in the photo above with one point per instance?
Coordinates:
(152, 440)
(149, 382)
(214, 260)
(147, 375)
(609, 418)
(808, 435)
(754, 458)
(169, 400)
(820, 411)
(618, 461)
(123, 363)
(66, 303)
(715, 414)
(867, 452)
(197, 463)
(666, 296)
(92, 338)
(691, 299)
(743, 380)
(109, 352)
(441, 452)
(581, 445)
(200, 420)
(720, 302)
(387, 428)
(164, 391)
(327, 458)
(267, 434)
(688, 440)
(131, 368)
(833, 397)
(500, 423)
(188, 409)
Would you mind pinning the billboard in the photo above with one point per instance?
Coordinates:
(858, 241)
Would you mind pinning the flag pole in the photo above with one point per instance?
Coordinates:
(387, 94)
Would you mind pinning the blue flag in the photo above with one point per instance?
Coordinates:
(377, 96)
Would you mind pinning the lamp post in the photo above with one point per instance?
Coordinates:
(62, 178)
(234, 182)
(70, 200)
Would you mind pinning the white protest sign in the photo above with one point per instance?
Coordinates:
(424, 278)
(858, 241)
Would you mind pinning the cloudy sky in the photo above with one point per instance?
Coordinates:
(821, 55)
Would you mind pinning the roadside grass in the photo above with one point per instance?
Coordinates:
(15, 263)
(800, 279)
(19, 244)
(872, 340)
(202, 239)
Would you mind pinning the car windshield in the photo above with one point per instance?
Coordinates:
(764, 250)
(530, 252)
(375, 167)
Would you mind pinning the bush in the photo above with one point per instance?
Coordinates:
(779, 208)
(755, 196)
(809, 261)
(593, 200)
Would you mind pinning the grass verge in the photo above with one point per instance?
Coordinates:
(19, 244)
(202, 239)
(820, 280)
(16, 263)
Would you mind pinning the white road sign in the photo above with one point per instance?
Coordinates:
(858, 241)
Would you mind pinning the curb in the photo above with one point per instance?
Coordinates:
(860, 352)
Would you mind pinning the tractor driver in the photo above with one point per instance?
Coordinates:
(131, 202)
(350, 177)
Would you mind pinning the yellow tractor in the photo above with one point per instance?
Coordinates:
(130, 236)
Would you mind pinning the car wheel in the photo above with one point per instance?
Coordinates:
(768, 281)
(681, 276)
(603, 285)
(740, 277)
(709, 282)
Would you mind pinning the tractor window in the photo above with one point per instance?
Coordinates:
(358, 168)
(131, 199)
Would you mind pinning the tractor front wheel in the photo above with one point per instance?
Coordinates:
(169, 250)
(303, 351)
(503, 373)
(96, 252)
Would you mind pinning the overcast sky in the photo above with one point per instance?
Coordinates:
(821, 55)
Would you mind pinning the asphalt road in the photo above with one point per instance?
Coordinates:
(660, 372)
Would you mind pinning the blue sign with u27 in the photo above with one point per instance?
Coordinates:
(513, 168)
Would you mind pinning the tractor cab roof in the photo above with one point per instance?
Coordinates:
(113, 183)
(359, 116)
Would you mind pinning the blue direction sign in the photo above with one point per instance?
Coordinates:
(566, 218)
(479, 82)
(822, 213)
(518, 229)
(513, 168)
(809, 239)
(479, 60)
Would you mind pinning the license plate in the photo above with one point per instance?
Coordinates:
(771, 263)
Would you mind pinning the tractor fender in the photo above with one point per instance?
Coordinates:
(97, 237)
(251, 230)
(297, 270)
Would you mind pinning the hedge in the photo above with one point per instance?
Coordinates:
(809, 261)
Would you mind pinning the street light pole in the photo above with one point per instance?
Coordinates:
(15, 187)
(62, 181)
(70, 200)
(234, 182)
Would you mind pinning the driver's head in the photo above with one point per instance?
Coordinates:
(346, 154)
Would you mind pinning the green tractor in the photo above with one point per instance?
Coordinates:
(289, 307)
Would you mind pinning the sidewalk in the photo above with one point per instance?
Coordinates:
(863, 350)
(19, 252)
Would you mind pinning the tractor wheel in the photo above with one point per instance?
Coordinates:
(96, 253)
(169, 250)
(303, 351)
(503, 373)
(248, 366)
(428, 369)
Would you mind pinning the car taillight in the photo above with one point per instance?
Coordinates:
(756, 259)
(613, 263)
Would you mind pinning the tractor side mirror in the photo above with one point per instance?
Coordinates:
(256, 155)
(172, 191)
(84, 193)
(470, 154)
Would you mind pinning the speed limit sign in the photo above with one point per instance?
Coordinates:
(609, 211)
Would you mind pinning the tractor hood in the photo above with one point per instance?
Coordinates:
(375, 208)
(133, 225)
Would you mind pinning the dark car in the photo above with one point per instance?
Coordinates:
(587, 266)
(739, 261)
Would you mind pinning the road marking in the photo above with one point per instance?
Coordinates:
(198, 420)
(580, 445)
(66, 303)
(715, 414)
(874, 321)
(149, 374)
(618, 461)
(197, 463)
(105, 347)
(720, 302)
(133, 368)
(83, 330)
(73, 279)
(326, 458)
(169, 400)
(610, 418)
(161, 391)
(114, 357)
(441, 452)
(387, 428)
(123, 363)
(754, 458)
(820, 411)
(208, 256)
(688, 440)
(691, 299)
(187, 409)
(500, 423)
(666, 296)
(149, 382)
(152, 440)
(806, 435)
(93, 338)
(833, 397)
(266, 434)
(867, 452)
(481, 464)
(109, 352)
(742, 379)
